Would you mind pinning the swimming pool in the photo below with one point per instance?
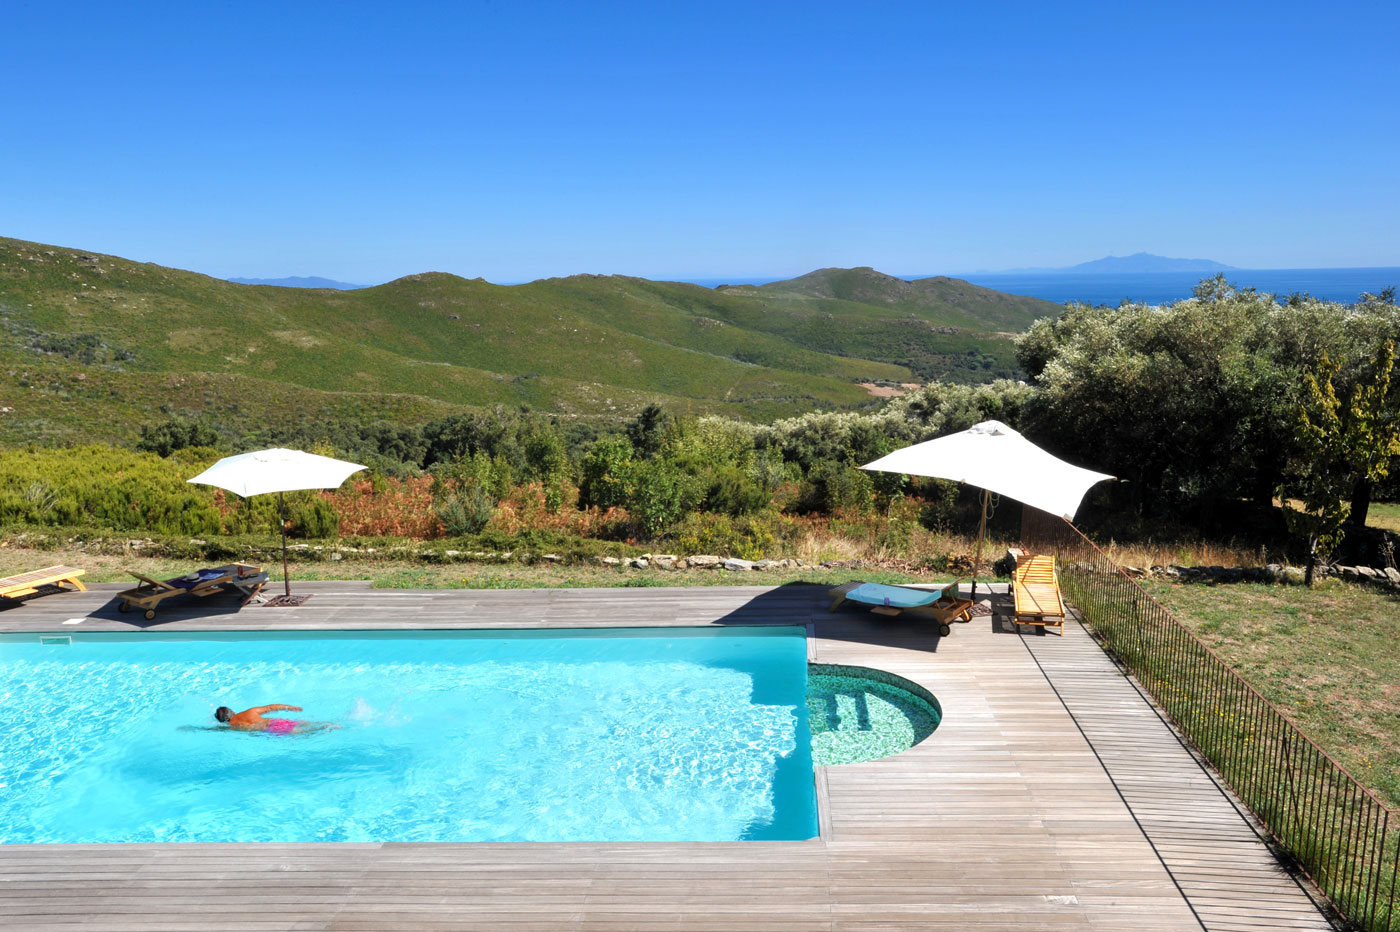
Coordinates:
(563, 735)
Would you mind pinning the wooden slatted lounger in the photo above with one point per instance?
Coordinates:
(48, 579)
(1037, 592)
(241, 577)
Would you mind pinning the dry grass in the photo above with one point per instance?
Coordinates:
(1189, 553)
(1328, 657)
(816, 545)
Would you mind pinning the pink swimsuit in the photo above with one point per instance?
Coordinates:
(281, 726)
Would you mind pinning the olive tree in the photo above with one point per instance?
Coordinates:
(1194, 403)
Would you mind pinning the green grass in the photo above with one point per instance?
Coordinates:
(409, 574)
(100, 344)
(1328, 657)
(1384, 515)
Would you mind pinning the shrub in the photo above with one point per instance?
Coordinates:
(106, 487)
(176, 434)
(750, 538)
(493, 473)
(734, 492)
(527, 509)
(466, 512)
(383, 506)
(604, 473)
(659, 494)
(309, 514)
(315, 518)
(832, 487)
(940, 505)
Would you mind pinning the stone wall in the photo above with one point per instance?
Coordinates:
(1273, 573)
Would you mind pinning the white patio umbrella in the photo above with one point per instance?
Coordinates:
(997, 459)
(277, 470)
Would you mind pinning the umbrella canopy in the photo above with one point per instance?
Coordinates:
(995, 457)
(277, 470)
(998, 459)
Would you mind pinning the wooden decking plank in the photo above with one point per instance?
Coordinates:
(1200, 834)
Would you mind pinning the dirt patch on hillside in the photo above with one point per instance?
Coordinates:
(890, 391)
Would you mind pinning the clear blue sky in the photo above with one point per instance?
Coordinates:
(516, 140)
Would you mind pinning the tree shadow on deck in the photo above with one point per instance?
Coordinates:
(800, 603)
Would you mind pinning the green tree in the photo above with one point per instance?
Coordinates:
(1194, 402)
(604, 473)
(659, 494)
(1345, 441)
(547, 459)
(735, 492)
(1321, 477)
(647, 431)
(1371, 431)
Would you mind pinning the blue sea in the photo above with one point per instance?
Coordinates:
(1343, 285)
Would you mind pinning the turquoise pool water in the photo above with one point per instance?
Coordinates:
(857, 714)
(643, 735)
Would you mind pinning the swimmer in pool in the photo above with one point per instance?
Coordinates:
(252, 720)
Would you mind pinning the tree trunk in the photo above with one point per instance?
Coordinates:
(1312, 564)
(1265, 484)
(1360, 502)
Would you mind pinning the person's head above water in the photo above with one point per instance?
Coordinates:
(223, 713)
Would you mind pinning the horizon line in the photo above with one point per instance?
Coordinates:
(719, 280)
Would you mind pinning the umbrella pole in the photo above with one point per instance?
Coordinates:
(981, 536)
(286, 577)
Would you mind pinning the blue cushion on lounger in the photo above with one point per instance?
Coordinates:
(893, 596)
(197, 577)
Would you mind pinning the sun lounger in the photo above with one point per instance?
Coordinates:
(941, 604)
(40, 582)
(1036, 588)
(238, 577)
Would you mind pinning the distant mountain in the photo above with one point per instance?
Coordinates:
(1136, 264)
(298, 281)
(1140, 262)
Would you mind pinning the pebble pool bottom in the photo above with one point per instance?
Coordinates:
(560, 735)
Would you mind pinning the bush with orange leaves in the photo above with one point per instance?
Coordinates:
(387, 507)
(526, 508)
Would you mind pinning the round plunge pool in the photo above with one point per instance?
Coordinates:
(860, 714)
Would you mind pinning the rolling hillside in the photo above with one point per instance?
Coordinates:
(98, 345)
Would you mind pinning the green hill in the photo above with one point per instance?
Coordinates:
(98, 345)
(939, 300)
(940, 328)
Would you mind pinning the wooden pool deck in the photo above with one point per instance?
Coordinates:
(1052, 797)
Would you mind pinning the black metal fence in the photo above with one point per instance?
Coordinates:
(1346, 839)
